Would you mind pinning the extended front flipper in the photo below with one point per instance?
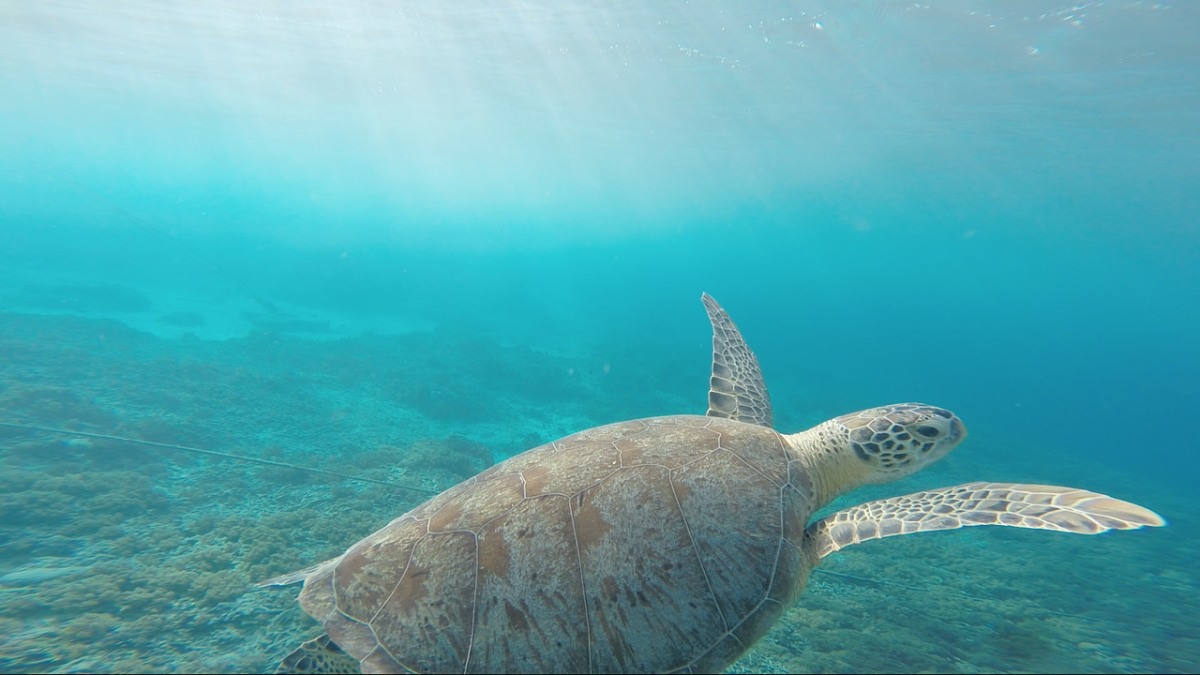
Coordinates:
(1043, 507)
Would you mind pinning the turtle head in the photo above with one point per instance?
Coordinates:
(897, 440)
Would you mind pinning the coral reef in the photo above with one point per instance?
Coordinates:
(120, 557)
(444, 461)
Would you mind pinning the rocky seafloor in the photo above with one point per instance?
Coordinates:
(127, 557)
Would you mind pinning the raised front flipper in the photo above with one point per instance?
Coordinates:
(736, 389)
(1044, 507)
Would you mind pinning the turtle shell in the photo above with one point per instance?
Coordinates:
(655, 545)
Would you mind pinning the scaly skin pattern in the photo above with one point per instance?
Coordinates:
(878, 445)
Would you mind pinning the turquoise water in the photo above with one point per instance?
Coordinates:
(402, 241)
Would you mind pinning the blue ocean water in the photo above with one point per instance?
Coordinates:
(363, 236)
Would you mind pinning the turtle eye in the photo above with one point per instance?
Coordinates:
(928, 432)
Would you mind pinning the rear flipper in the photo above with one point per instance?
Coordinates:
(319, 655)
(1044, 507)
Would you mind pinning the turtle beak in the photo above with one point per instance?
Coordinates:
(958, 430)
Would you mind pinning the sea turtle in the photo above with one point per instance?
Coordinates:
(654, 545)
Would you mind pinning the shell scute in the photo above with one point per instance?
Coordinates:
(641, 574)
(422, 621)
(531, 591)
